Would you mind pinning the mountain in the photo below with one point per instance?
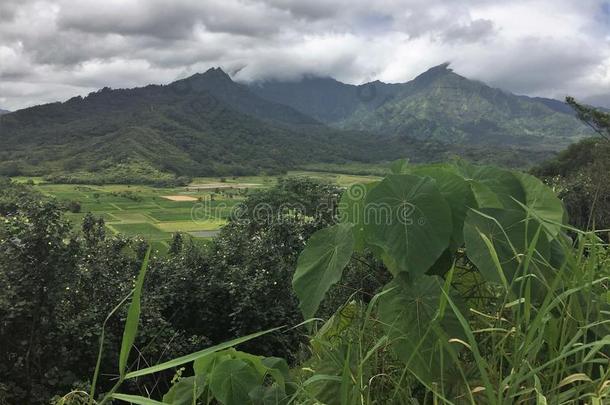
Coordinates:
(203, 125)
(207, 124)
(437, 105)
(4, 111)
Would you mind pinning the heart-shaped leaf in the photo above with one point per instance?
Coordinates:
(408, 219)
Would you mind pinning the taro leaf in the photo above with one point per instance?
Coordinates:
(351, 210)
(269, 395)
(510, 234)
(186, 391)
(409, 312)
(205, 365)
(321, 265)
(457, 193)
(232, 381)
(400, 166)
(442, 265)
(542, 203)
(279, 370)
(408, 219)
(492, 187)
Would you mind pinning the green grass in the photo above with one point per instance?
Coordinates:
(179, 214)
(191, 226)
(147, 230)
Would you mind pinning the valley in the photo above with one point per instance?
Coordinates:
(156, 214)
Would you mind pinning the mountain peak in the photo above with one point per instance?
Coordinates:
(216, 72)
(213, 74)
(434, 73)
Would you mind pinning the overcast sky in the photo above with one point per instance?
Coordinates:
(51, 50)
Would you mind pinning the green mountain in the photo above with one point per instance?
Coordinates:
(203, 125)
(437, 105)
(209, 125)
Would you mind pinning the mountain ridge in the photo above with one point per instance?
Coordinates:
(207, 124)
(437, 104)
(202, 125)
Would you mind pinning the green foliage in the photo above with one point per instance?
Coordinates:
(598, 120)
(407, 218)
(579, 173)
(579, 177)
(321, 265)
(516, 272)
(511, 311)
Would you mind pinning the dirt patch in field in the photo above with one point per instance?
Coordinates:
(179, 198)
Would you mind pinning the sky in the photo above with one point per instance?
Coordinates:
(51, 50)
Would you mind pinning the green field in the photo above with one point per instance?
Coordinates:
(143, 211)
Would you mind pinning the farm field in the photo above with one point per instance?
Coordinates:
(145, 211)
(199, 209)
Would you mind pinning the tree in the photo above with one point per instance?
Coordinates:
(579, 174)
(598, 121)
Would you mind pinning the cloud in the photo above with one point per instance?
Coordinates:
(55, 49)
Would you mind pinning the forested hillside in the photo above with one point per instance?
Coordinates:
(203, 125)
(438, 104)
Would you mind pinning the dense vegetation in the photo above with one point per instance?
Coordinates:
(580, 173)
(59, 286)
(447, 283)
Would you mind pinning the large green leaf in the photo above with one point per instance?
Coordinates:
(186, 391)
(457, 193)
(133, 318)
(498, 239)
(400, 166)
(321, 265)
(408, 219)
(542, 203)
(419, 333)
(273, 394)
(232, 380)
(351, 210)
(492, 187)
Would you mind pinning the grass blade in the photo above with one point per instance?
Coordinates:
(133, 318)
(194, 356)
(135, 399)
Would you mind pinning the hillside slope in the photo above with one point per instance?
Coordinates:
(437, 105)
(203, 125)
(209, 125)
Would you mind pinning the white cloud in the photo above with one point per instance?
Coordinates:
(54, 49)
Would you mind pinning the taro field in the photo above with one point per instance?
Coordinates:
(155, 214)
